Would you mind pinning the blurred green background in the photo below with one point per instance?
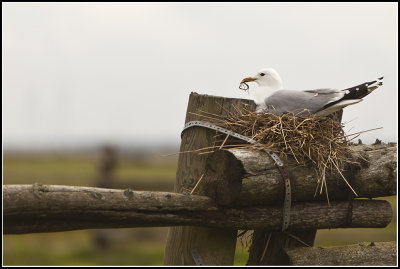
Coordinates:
(136, 246)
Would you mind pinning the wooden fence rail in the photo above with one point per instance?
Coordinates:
(261, 182)
(52, 208)
(361, 254)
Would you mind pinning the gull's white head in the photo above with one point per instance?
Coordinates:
(268, 81)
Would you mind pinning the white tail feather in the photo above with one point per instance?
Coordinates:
(338, 106)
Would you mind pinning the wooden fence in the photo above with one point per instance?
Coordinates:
(240, 189)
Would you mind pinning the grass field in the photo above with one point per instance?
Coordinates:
(138, 246)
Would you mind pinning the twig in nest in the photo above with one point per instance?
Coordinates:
(297, 238)
(226, 138)
(195, 186)
(344, 178)
(266, 246)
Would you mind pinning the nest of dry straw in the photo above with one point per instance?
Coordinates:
(309, 140)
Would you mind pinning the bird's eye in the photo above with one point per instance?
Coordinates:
(262, 74)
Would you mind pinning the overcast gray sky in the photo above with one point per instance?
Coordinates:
(79, 73)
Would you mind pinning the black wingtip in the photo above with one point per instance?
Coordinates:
(380, 78)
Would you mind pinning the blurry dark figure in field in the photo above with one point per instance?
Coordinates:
(106, 166)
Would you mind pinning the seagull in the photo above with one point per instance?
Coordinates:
(270, 95)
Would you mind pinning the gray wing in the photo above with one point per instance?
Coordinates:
(283, 101)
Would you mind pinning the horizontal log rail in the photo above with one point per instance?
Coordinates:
(361, 254)
(50, 208)
(261, 181)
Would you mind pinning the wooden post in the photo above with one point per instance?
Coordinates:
(215, 246)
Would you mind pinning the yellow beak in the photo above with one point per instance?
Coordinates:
(249, 79)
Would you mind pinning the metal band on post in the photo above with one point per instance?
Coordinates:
(277, 160)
